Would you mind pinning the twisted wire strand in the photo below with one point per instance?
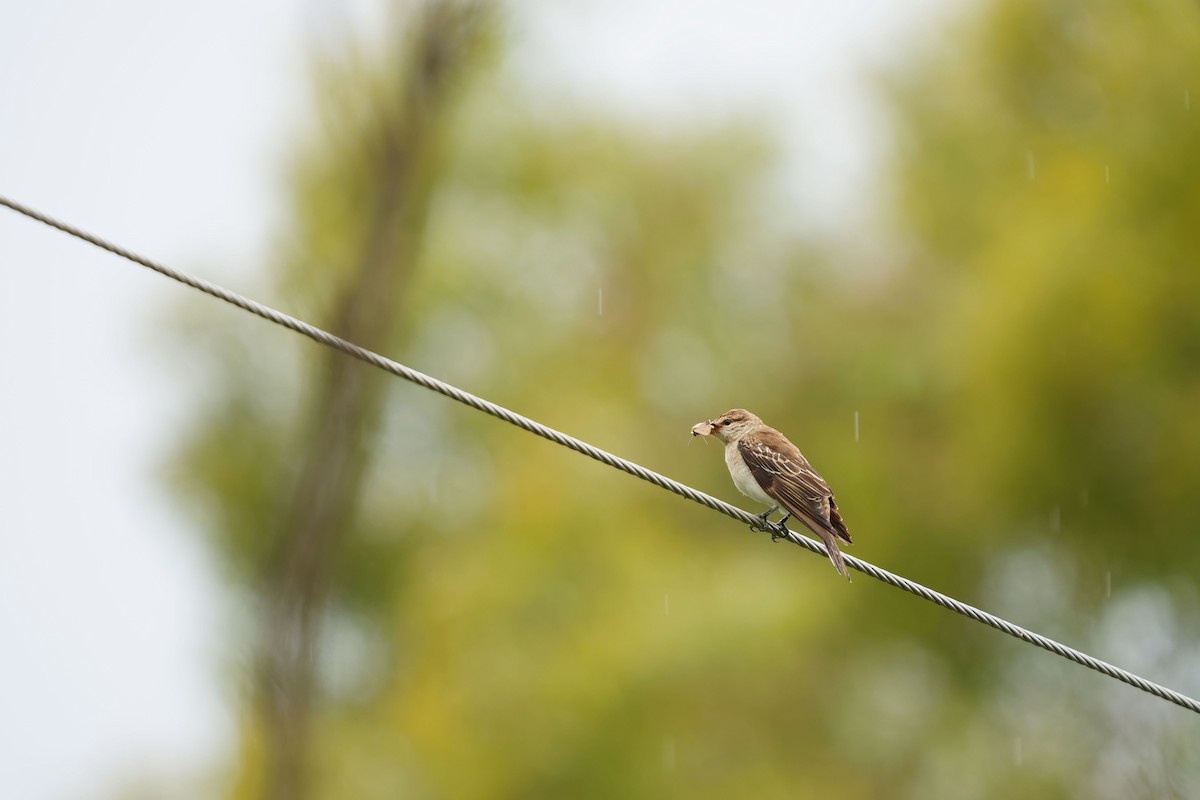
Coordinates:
(603, 456)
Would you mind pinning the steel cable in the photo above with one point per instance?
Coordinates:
(580, 446)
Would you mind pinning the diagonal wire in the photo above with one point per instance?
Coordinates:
(580, 446)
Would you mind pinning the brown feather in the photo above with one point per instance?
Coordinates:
(787, 477)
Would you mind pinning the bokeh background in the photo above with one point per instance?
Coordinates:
(950, 249)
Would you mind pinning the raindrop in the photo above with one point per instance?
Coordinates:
(1030, 172)
(1108, 583)
(668, 754)
(1083, 497)
(1187, 100)
(856, 426)
(1017, 757)
(600, 301)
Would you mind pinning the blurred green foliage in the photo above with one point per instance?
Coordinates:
(511, 620)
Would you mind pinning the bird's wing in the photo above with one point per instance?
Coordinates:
(786, 476)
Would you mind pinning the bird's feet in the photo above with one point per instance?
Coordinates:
(775, 534)
(762, 518)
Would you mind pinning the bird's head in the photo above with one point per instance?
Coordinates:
(728, 427)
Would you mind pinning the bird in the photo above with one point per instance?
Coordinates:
(768, 468)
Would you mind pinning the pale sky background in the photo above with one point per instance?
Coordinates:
(164, 127)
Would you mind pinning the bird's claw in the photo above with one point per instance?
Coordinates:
(776, 529)
(783, 527)
(763, 525)
(780, 531)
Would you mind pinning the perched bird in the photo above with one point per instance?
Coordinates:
(768, 468)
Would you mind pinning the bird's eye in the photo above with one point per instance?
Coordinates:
(726, 421)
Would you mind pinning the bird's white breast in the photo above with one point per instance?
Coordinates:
(743, 479)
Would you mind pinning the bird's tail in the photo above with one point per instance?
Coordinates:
(839, 524)
(835, 555)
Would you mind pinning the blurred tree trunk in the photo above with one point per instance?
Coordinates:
(344, 413)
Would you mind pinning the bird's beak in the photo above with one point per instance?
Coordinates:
(702, 429)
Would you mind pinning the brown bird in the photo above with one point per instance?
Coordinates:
(768, 468)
